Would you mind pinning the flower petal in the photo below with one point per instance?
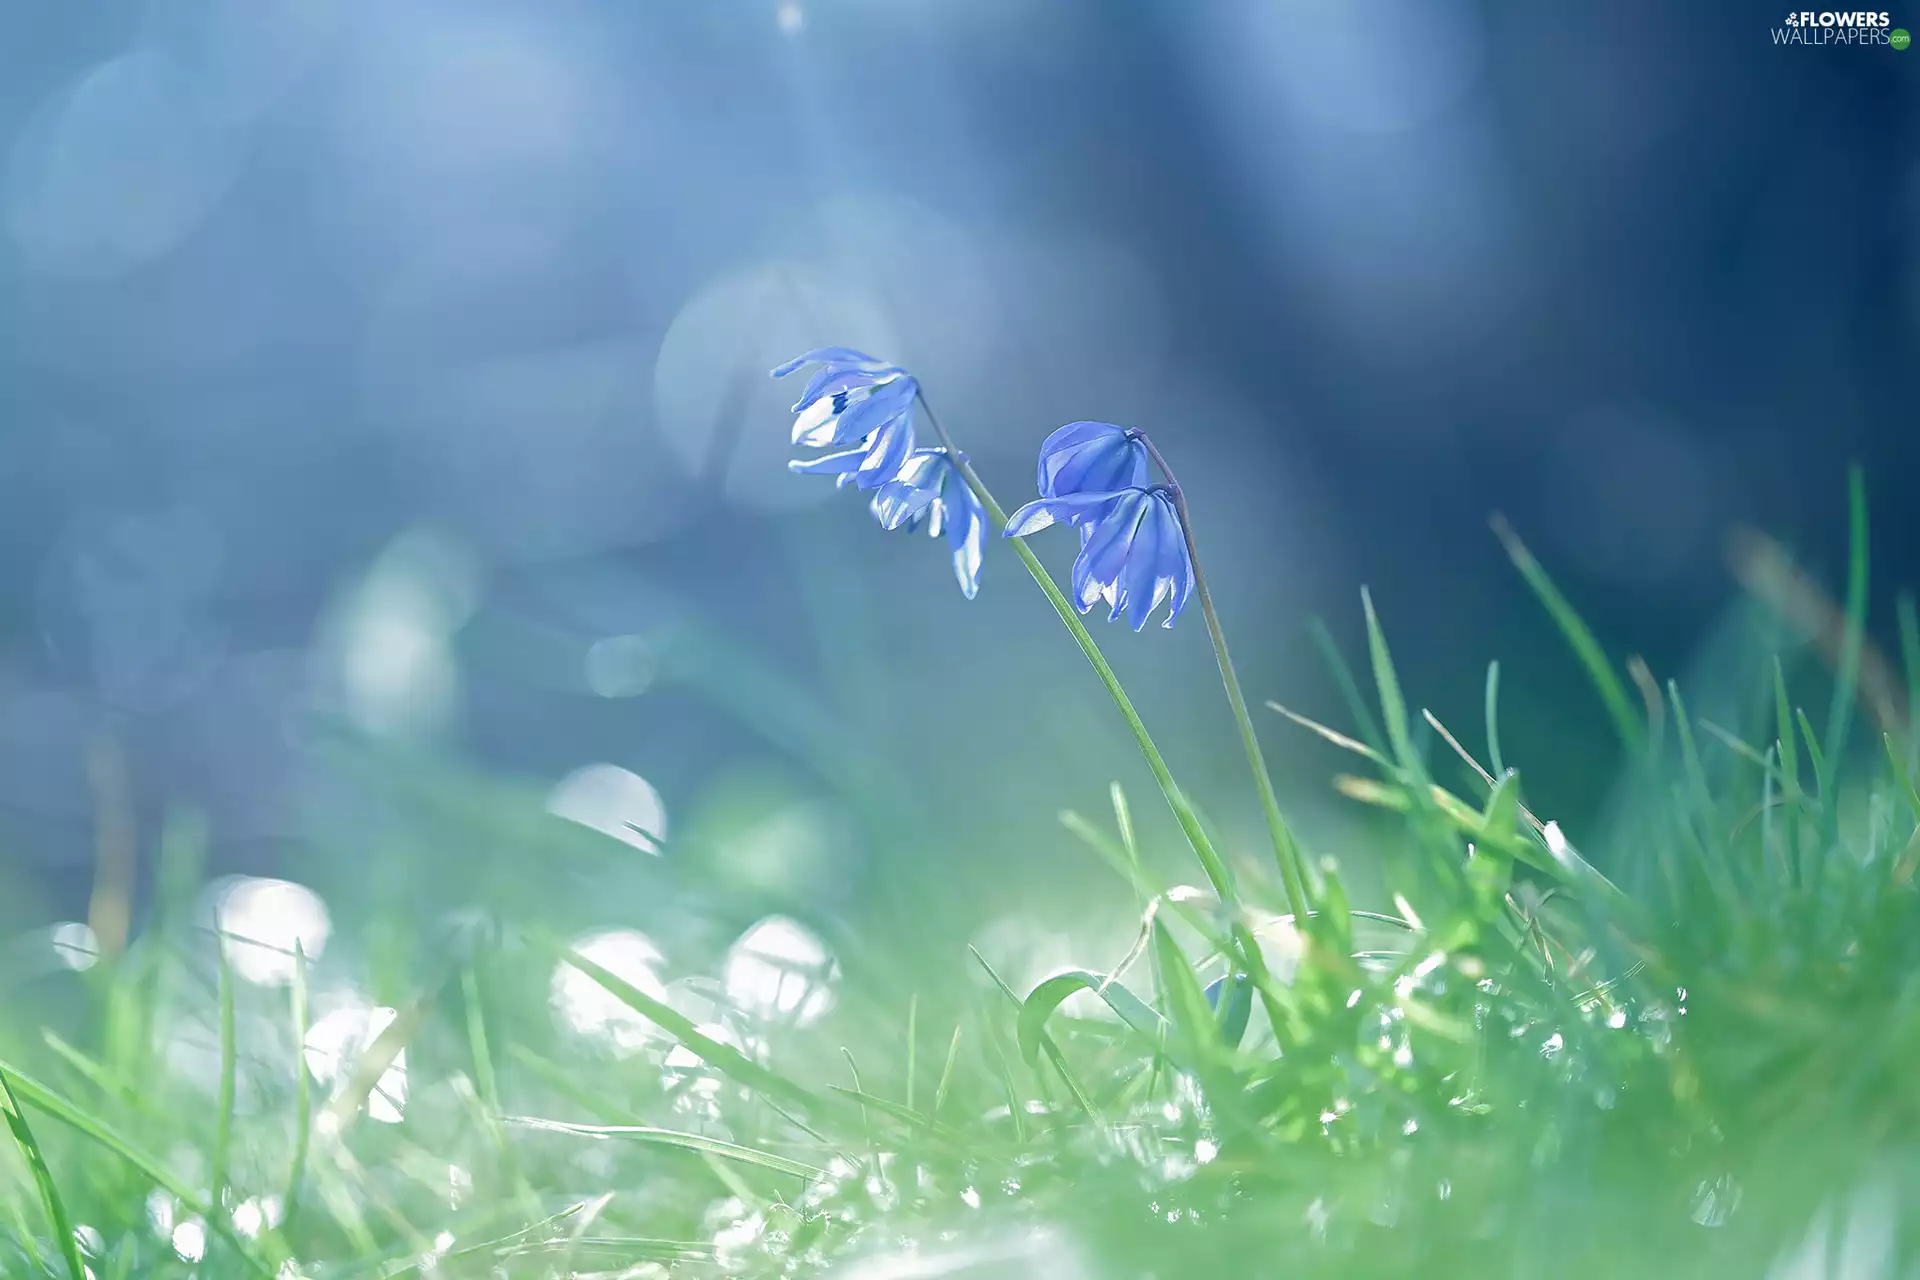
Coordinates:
(1067, 438)
(829, 464)
(1090, 457)
(1179, 568)
(897, 502)
(1073, 508)
(1096, 571)
(1143, 566)
(967, 536)
(887, 450)
(825, 355)
(832, 381)
(815, 427)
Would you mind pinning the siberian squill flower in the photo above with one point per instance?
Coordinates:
(858, 401)
(930, 490)
(1091, 457)
(1133, 549)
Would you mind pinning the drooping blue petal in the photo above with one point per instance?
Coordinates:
(816, 426)
(887, 449)
(831, 464)
(930, 492)
(898, 503)
(825, 355)
(1177, 560)
(1073, 508)
(832, 380)
(1142, 569)
(1087, 457)
(1098, 569)
(967, 536)
(863, 417)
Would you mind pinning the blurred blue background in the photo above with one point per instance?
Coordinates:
(396, 374)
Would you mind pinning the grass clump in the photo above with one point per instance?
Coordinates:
(1681, 1047)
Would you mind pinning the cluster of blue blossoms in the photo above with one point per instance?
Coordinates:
(1093, 477)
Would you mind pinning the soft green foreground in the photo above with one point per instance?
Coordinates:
(1513, 1067)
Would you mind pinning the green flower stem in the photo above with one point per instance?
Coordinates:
(1285, 849)
(1210, 860)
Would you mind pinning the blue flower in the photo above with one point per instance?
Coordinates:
(930, 490)
(853, 400)
(1091, 457)
(1133, 549)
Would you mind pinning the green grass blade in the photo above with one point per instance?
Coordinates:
(721, 1057)
(1901, 776)
(1047, 1045)
(1910, 664)
(946, 1077)
(1696, 772)
(1494, 759)
(223, 1117)
(1049, 995)
(302, 1087)
(105, 1078)
(1783, 728)
(374, 1063)
(674, 1138)
(565, 1086)
(50, 1199)
(19, 1085)
(1110, 852)
(1847, 673)
(1123, 822)
(1343, 679)
(914, 1121)
(1606, 681)
(1393, 705)
(913, 1036)
(1816, 757)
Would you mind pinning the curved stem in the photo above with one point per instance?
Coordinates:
(1285, 850)
(1210, 860)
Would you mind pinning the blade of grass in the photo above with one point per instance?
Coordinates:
(1332, 735)
(1822, 781)
(1493, 720)
(375, 1063)
(1049, 995)
(18, 1085)
(674, 1138)
(564, 1085)
(50, 1200)
(1847, 671)
(1579, 637)
(913, 1036)
(1393, 706)
(1343, 679)
(914, 1121)
(223, 1118)
(1110, 852)
(1047, 1045)
(487, 1081)
(1783, 728)
(721, 1057)
(1642, 676)
(104, 1078)
(1910, 664)
(302, 1087)
(946, 1077)
(1901, 776)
